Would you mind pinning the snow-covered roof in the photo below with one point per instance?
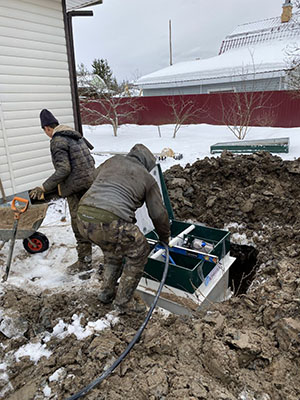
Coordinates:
(259, 26)
(268, 60)
(90, 81)
(74, 4)
(258, 48)
(261, 31)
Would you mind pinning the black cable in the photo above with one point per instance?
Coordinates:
(105, 374)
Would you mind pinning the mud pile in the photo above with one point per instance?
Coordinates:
(258, 194)
(246, 348)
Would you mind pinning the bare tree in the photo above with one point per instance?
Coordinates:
(293, 61)
(293, 69)
(102, 105)
(246, 106)
(244, 109)
(183, 109)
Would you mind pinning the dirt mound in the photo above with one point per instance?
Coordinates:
(258, 195)
(246, 348)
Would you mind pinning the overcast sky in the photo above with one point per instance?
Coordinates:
(133, 35)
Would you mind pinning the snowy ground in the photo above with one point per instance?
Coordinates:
(48, 270)
(192, 141)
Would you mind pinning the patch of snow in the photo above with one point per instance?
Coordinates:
(7, 388)
(162, 312)
(240, 238)
(57, 375)
(3, 374)
(61, 329)
(12, 326)
(245, 395)
(34, 350)
(258, 236)
(234, 225)
(47, 391)
(76, 328)
(103, 323)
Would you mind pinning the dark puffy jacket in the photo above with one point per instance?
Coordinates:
(73, 163)
(123, 184)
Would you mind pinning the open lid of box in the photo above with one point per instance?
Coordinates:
(143, 220)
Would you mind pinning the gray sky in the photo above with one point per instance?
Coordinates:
(133, 35)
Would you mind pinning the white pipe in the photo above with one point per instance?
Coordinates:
(9, 161)
(174, 241)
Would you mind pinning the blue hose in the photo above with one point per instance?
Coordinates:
(106, 373)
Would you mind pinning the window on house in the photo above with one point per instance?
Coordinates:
(221, 90)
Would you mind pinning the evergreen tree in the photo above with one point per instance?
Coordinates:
(82, 70)
(102, 69)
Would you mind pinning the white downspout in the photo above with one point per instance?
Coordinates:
(9, 162)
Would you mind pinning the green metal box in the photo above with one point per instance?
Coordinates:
(276, 145)
(187, 271)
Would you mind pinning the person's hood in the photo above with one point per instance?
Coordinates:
(144, 155)
(65, 130)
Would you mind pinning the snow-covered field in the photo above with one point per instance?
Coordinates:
(192, 141)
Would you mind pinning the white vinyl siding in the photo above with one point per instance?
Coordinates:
(258, 85)
(34, 74)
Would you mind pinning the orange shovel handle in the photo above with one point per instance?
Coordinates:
(16, 210)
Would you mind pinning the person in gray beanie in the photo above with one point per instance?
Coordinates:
(106, 216)
(74, 173)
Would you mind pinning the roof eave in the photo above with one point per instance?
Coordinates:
(84, 4)
(212, 80)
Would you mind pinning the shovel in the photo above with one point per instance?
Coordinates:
(17, 214)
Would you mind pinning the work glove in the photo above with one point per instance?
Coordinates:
(37, 193)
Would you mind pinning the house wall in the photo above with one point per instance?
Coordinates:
(34, 74)
(244, 86)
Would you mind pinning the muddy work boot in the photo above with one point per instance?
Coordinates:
(133, 307)
(106, 296)
(81, 265)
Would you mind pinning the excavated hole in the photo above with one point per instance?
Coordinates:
(242, 271)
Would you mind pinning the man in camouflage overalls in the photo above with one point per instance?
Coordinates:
(74, 174)
(106, 216)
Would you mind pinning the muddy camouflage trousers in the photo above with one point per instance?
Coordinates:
(125, 251)
(84, 246)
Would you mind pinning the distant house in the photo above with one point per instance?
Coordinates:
(36, 72)
(88, 84)
(252, 58)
